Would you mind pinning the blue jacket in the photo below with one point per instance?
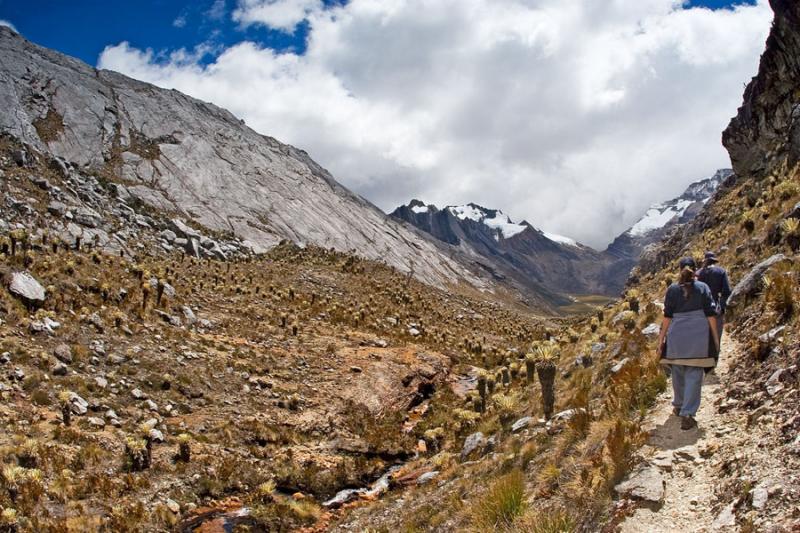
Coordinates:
(717, 280)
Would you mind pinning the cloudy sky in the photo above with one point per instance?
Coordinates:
(573, 114)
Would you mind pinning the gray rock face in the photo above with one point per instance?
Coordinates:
(752, 281)
(193, 158)
(26, 287)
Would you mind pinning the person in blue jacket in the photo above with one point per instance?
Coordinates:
(688, 341)
(716, 278)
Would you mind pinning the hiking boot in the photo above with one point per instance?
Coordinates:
(676, 411)
(688, 422)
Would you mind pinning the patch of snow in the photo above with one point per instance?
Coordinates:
(464, 212)
(560, 239)
(504, 224)
(499, 221)
(659, 216)
(420, 209)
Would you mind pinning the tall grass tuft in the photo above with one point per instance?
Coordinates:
(501, 504)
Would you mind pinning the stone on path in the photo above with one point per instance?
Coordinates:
(646, 483)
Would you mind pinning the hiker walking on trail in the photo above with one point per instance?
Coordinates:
(688, 340)
(716, 278)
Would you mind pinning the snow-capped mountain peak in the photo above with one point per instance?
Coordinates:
(658, 216)
(493, 218)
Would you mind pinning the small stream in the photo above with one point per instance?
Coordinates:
(219, 521)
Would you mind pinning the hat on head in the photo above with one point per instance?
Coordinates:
(687, 262)
(711, 257)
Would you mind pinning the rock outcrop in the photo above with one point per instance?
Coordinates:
(768, 122)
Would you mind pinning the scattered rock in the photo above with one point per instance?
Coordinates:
(96, 421)
(156, 435)
(521, 424)
(138, 394)
(619, 366)
(60, 369)
(86, 217)
(426, 477)
(356, 369)
(474, 446)
(663, 460)
(25, 286)
(173, 506)
(414, 332)
(652, 330)
(751, 283)
(726, 518)
(760, 496)
(687, 453)
(63, 353)
(646, 484)
(57, 208)
(188, 315)
(79, 405)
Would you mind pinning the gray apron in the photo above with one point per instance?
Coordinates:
(687, 337)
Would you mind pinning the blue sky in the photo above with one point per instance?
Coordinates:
(83, 28)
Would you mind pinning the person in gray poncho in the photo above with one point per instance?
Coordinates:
(688, 341)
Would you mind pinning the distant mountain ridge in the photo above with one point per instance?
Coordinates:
(537, 259)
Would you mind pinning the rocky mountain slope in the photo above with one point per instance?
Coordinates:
(172, 153)
(553, 264)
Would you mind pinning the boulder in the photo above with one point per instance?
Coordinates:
(192, 247)
(751, 283)
(87, 217)
(63, 353)
(20, 157)
(521, 424)
(645, 484)
(652, 331)
(58, 209)
(41, 182)
(60, 369)
(25, 286)
(426, 477)
(78, 405)
(180, 228)
(474, 446)
(619, 366)
(168, 235)
(726, 518)
(188, 315)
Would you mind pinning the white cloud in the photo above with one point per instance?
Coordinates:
(283, 15)
(180, 21)
(217, 10)
(572, 115)
(7, 24)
